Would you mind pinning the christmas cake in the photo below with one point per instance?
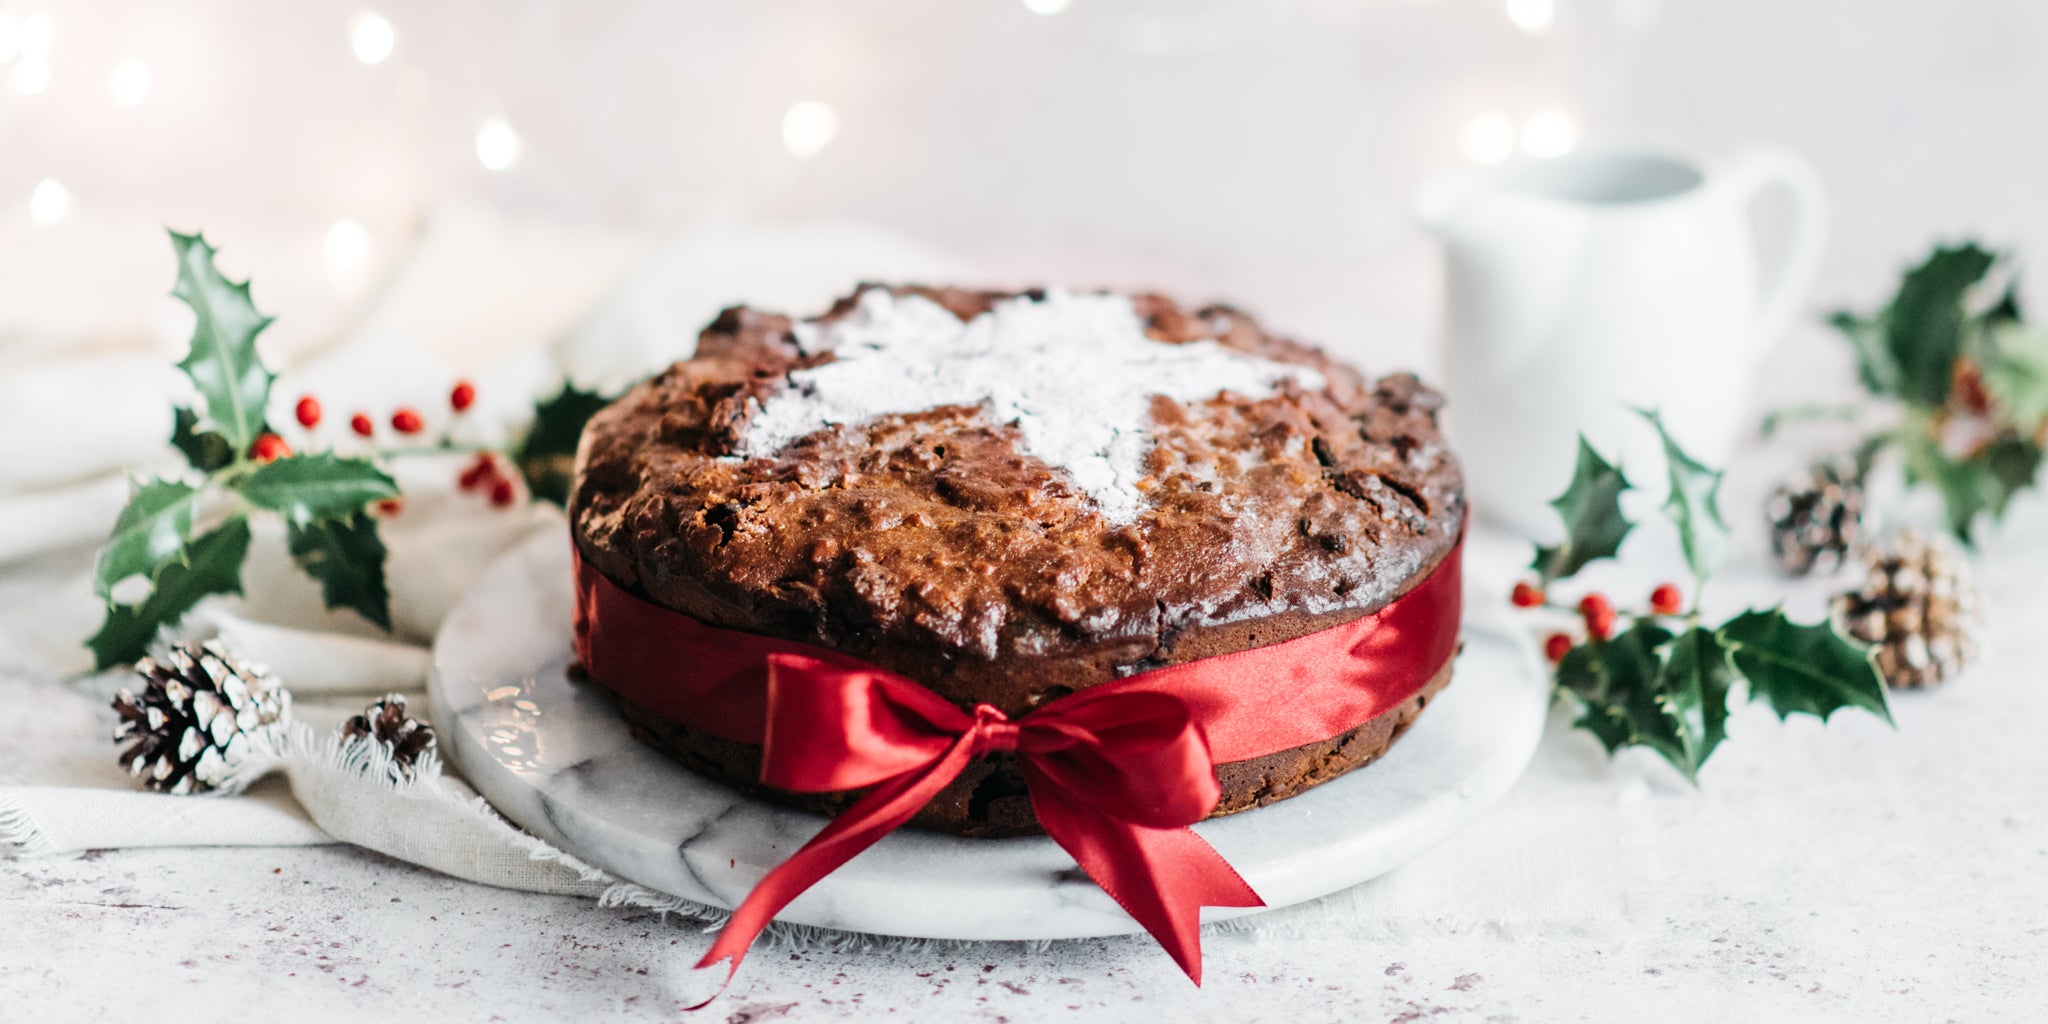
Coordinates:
(1010, 497)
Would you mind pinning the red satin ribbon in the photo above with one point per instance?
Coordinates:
(1115, 772)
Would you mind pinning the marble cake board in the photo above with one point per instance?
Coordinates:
(553, 755)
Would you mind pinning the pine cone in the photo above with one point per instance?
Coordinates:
(1917, 608)
(199, 715)
(1817, 517)
(387, 723)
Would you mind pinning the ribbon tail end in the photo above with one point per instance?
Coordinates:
(712, 959)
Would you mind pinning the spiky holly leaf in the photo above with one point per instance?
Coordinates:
(2016, 374)
(1591, 509)
(212, 565)
(1617, 683)
(1875, 365)
(149, 532)
(1695, 684)
(1694, 503)
(232, 381)
(205, 450)
(1985, 481)
(345, 554)
(2007, 309)
(1909, 349)
(547, 456)
(1802, 668)
(316, 485)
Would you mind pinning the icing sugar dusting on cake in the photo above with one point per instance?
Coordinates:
(1075, 372)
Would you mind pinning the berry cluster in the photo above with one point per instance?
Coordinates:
(483, 473)
(268, 447)
(1595, 611)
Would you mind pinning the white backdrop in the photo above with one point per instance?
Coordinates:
(1262, 151)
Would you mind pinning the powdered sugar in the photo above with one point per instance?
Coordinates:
(1075, 372)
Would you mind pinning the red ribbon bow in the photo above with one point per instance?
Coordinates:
(1115, 772)
(1115, 777)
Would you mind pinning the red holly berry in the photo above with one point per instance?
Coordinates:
(1966, 387)
(502, 493)
(463, 396)
(407, 421)
(1526, 595)
(479, 470)
(360, 423)
(1599, 615)
(390, 507)
(269, 448)
(1556, 646)
(308, 412)
(1666, 600)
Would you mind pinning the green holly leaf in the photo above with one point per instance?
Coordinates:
(1802, 668)
(345, 554)
(232, 381)
(1695, 684)
(2016, 374)
(212, 564)
(1694, 503)
(1986, 482)
(1617, 683)
(317, 485)
(1875, 365)
(205, 450)
(1591, 508)
(149, 532)
(1928, 324)
(2007, 309)
(547, 457)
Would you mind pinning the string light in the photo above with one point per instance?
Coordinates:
(1532, 16)
(371, 36)
(1488, 138)
(347, 244)
(1047, 7)
(808, 126)
(48, 203)
(497, 145)
(130, 84)
(1549, 133)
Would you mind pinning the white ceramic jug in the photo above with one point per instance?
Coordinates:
(1580, 286)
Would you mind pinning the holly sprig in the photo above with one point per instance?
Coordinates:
(1961, 379)
(188, 534)
(1659, 675)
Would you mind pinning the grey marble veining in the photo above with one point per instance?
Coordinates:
(554, 756)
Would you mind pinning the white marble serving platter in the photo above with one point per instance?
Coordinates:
(554, 756)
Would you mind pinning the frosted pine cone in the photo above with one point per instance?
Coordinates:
(1817, 517)
(387, 723)
(1917, 608)
(198, 716)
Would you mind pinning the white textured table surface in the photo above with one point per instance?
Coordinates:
(1842, 873)
(1846, 873)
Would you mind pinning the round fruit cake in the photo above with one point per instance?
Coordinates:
(1009, 497)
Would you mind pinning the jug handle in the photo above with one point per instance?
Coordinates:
(1747, 179)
